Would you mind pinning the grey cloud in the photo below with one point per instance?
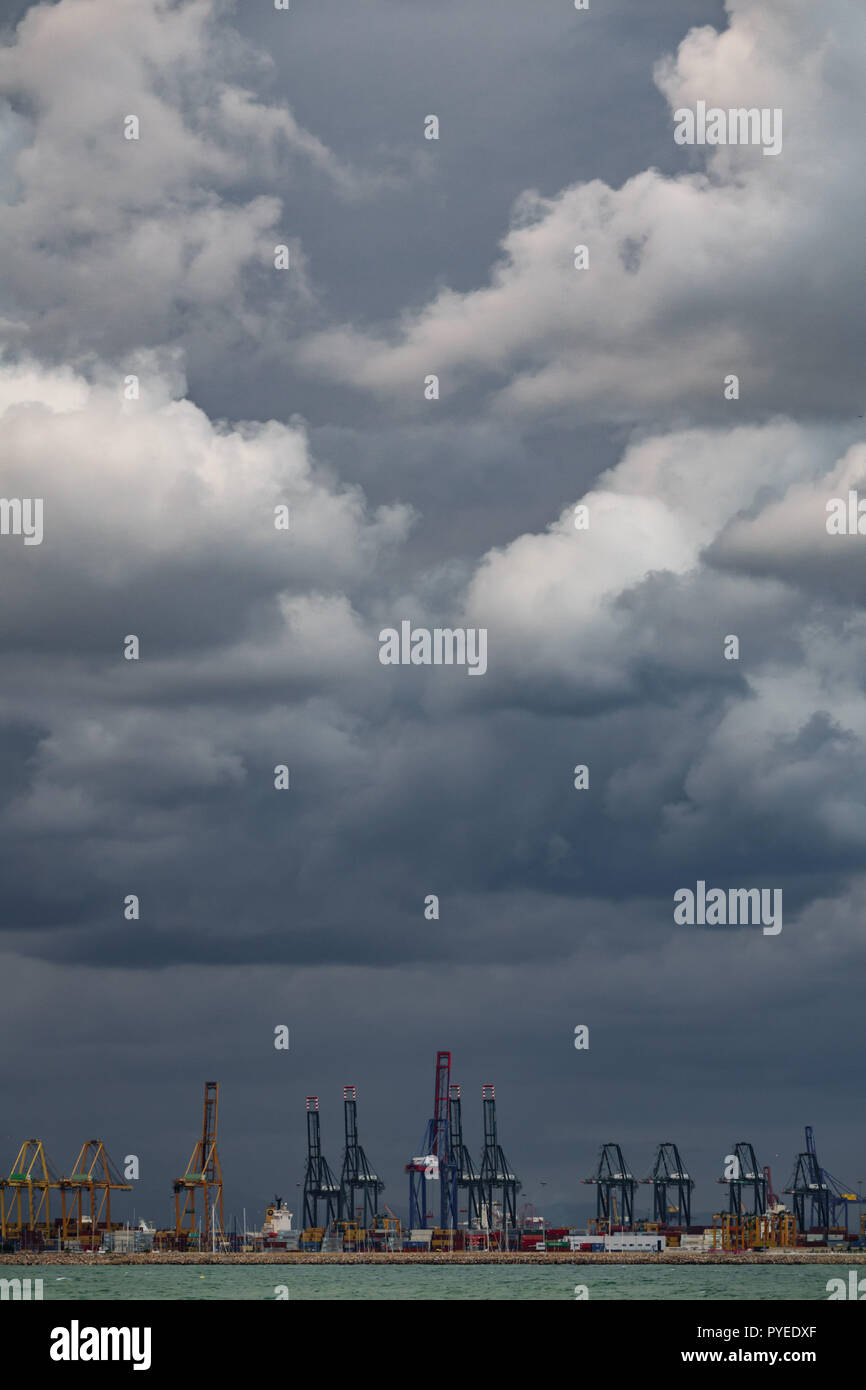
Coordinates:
(605, 647)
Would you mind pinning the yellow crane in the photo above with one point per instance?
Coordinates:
(94, 1176)
(203, 1174)
(32, 1178)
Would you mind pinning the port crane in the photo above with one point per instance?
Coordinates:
(613, 1176)
(320, 1185)
(811, 1184)
(94, 1177)
(496, 1174)
(357, 1175)
(772, 1199)
(466, 1173)
(434, 1161)
(669, 1172)
(25, 1196)
(746, 1179)
(203, 1174)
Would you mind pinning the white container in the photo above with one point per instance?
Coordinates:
(635, 1241)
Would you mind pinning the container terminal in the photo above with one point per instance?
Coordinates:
(456, 1207)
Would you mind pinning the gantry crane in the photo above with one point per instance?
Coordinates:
(613, 1175)
(434, 1162)
(812, 1184)
(746, 1179)
(203, 1174)
(495, 1173)
(466, 1174)
(357, 1176)
(669, 1172)
(320, 1185)
(93, 1174)
(25, 1196)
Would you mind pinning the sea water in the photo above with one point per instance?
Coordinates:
(705, 1283)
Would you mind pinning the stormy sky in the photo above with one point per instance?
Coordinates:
(261, 387)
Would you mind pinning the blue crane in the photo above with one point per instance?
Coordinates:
(828, 1201)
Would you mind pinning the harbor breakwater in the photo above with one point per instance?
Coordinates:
(416, 1257)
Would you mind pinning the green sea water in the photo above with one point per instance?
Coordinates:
(188, 1283)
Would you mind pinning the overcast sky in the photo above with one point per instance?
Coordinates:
(606, 647)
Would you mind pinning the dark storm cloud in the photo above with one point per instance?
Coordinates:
(259, 648)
